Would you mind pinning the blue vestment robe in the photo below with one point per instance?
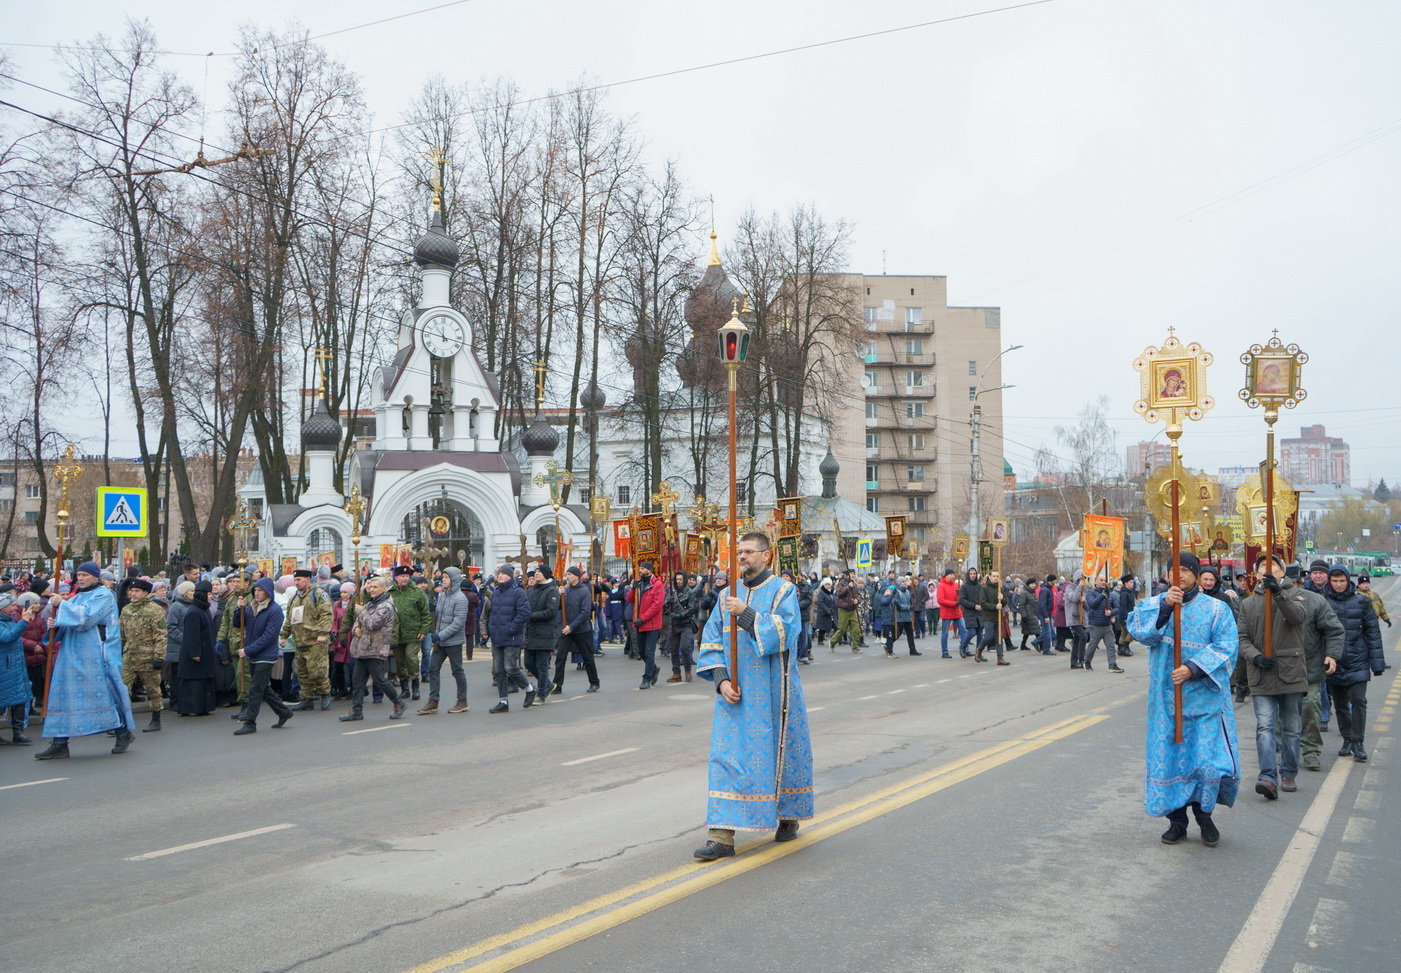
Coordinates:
(1205, 766)
(760, 749)
(86, 694)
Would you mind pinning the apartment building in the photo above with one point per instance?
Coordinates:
(925, 363)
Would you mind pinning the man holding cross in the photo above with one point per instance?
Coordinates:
(1204, 768)
(760, 750)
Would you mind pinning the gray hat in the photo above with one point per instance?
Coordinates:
(454, 575)
(8, 598)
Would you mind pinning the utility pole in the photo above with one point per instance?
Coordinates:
(975, 515)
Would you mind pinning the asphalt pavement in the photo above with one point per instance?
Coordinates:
(969, 818)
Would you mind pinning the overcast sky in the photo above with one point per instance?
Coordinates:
(1099, 169)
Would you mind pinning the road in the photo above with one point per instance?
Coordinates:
(969, 818)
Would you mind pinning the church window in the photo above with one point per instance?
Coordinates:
(624, 496)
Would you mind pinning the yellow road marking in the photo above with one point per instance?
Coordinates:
(686, 880)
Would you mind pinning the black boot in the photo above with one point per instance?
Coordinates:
(57, 750)
(124, 738)
(17, 728)
(155, 725)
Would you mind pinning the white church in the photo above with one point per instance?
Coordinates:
(444, 478)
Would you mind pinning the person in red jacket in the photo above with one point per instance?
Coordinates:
(950, 614)
(648, 596)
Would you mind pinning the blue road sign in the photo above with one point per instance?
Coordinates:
(121, 512)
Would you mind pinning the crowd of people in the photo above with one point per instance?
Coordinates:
(229, 637)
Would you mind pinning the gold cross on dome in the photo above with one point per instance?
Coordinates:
(540, 370)
(322, 356)
(438, 158)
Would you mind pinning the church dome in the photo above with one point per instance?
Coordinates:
(320, 431)
(593, 397)
(540, 439)
(435, 248)
(829, 466)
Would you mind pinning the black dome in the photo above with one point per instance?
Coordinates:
(435, 248)
(540, 439)
(593, 397)
(829, 466)
(320, 431)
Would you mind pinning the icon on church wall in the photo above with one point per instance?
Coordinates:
(439, 525)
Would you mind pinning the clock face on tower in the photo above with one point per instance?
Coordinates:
(442, 335)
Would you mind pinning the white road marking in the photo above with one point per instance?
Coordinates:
(862, 699)
(700, 696)
(211, 841)
(894, 691)
(1359, 830)
(1251, 949)
(598, 756)
(374, 729)
(31, 783)
(939, 681)
(814, 709)
(1329, 920)
(922, 685)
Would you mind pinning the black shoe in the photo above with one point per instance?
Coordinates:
(1174, 834)
(155, 725)
(1210, 836)
(400, 708)
(123, 741)
(713, 850)
(245, 729)
(1076, 665)
(646, 684)
(1127, 652)
(1358, 751)
(282, 720)
(238, 717)
(20, 740)
(304, 704)
(592, 689)
(787, 831)
(913, 652)
(1115, 669)
(352, 717)
(1346, 749)
(326, 701)
(415, 694)
(501, 707)
(529, 699)
(55, 751)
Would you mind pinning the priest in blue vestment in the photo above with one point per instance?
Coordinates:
(760, 750)
(1204, 769)
(87, 695)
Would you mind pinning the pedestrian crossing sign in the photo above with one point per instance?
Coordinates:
(863, 553)
(121, 512)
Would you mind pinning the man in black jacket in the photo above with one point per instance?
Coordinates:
(541, 632)
(680, 608)
(577, 633)
(970, 599)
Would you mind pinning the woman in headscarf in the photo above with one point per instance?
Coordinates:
(198, 665)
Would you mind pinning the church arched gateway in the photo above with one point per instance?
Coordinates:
(447, 526)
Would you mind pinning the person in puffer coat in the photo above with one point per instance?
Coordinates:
(1362, 659)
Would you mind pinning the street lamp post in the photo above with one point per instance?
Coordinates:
(975, 522)
(734, 348)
